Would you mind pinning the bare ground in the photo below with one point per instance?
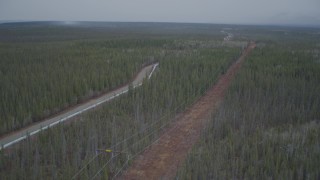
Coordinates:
(162, 159)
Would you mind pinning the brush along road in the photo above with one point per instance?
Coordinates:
(17, 136)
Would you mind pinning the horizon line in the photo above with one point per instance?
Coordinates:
(171, 22)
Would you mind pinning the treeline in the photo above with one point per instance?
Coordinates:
(269, 124)
(127, 124)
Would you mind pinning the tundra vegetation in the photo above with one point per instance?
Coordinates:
(268, 126)
(47, 68)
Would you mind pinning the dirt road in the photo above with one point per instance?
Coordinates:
(163, 158)
(20, 135)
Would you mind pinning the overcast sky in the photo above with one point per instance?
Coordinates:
(300, 12)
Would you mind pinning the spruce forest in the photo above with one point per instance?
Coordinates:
(266, 127)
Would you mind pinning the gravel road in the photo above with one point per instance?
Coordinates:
(19, 135)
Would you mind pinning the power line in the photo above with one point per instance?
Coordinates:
(147, 128)
(133, 156)
(126, 163)
(202, 91)
(95, 175)
(132, 145)
(91, 160)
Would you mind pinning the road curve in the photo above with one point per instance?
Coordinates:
(31, 130)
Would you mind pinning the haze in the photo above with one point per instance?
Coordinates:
(278, 12)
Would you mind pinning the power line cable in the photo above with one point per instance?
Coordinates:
(89, 162)
(148, 128)
(95, 175)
